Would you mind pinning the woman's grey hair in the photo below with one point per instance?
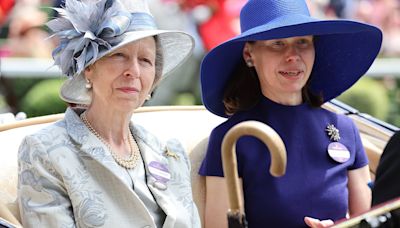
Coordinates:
(159, 62)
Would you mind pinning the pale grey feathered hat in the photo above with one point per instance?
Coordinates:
(90, 29)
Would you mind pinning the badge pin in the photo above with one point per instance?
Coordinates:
(170, 153)
(338, 152)
(160, 173)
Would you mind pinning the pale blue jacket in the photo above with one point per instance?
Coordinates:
(67, 178)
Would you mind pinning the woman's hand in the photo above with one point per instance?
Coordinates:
(316, 223)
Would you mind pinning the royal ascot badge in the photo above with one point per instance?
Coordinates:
(336, 150)
(160, 173)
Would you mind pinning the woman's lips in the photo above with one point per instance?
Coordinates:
(128, 89)
(291, 73)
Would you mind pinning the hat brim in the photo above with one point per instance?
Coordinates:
(176, 46)
(344, 51)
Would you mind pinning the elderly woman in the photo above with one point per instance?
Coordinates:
(96, 168)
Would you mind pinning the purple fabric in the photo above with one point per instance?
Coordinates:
(314, 184)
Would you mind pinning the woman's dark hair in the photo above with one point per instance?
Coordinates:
(243, 90)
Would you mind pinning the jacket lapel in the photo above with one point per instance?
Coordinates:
(155, 163)
(157, 171)
(89, 145)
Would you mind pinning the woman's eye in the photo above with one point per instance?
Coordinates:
(147, 61)
(278, 44)
(118, 54)
(304, 43)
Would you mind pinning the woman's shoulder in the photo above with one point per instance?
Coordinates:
(70, 124)
(343, 119)
(154, 141)
(145, 135)
(233, 120)
(49, 132)
(339, 116)
(39, 142)
(223, 127)
(340, 120)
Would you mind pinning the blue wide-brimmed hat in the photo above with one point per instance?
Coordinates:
(344, 50)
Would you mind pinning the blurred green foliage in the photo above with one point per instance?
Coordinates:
(3, 102)
(394, 94)
(43, 99)
(22, 85)
(184, 99)
(368, 96)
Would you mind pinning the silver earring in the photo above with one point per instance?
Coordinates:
(88, 85)
(148, 97)
(249, 63)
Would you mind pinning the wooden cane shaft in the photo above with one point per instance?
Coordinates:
(265, 134)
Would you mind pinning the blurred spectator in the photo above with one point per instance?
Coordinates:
(391, 38)
(217, 20)
(169, 15)
(384, 14)
(223, 23)
(26, 36)
(5, 8)
(342, 8)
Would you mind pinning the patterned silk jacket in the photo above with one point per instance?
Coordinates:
(67, 178)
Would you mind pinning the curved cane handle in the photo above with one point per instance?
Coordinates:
(265, 134)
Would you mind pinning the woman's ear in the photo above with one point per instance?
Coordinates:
(247, 55)
(246, 51)
(87, 76)
(88, 71)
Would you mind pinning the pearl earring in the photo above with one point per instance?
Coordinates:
(148, 97)
(249, 63)
(88, 85)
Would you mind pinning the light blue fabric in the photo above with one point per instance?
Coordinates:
(83, 36)
(136, 179)
(67, 178)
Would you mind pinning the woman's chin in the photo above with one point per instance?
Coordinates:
(128, 104)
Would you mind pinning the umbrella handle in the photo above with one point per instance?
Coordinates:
(265, 134)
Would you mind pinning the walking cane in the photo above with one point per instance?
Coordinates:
(236, 218)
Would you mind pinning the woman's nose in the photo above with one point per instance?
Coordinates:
(133, 69)
(292, 54)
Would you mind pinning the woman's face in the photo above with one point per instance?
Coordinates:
(123, 79)
(283, 65)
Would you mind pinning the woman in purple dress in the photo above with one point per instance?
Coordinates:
(280, 70)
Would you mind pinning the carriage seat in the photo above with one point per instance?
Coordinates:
(191, 125)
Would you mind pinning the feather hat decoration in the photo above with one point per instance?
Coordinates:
(90, 29)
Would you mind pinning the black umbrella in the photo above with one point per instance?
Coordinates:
(237, 218)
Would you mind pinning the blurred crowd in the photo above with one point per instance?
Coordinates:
(382, 13)
(22, 28)
(23, 33)
(217, 20)
(211, 21)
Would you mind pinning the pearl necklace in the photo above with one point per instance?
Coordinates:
(128, 163)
